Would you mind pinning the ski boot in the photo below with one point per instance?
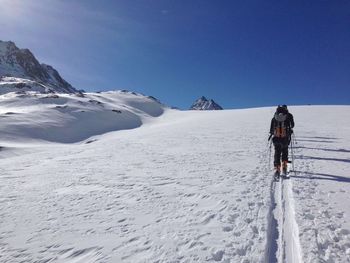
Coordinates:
(277, 173)
(284, 169)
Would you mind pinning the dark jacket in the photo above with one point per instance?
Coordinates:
(290, 119)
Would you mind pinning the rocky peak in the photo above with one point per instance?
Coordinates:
(204, 104)
(21, 63)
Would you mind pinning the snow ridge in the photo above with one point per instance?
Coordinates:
(68, 118)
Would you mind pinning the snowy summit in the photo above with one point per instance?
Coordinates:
(21, 71)
(204, 104)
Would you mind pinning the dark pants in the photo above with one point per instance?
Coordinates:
(281, 150)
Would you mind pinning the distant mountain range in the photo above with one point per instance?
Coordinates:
(204, 104)
(21, 71)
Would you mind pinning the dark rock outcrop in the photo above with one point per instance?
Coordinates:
(204, 104)
(21, 63)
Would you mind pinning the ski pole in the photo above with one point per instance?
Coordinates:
(269, 137)
(292, 152)
(294, 138)
(270, 155)
(269, 142)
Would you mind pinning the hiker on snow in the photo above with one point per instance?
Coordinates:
(281, 130)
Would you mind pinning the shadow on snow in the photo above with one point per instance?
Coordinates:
(319, 141)
(322, 158)
(321, 176)
(319, 137)
(323, 149)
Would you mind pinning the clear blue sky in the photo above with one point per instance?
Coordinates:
(240, 53)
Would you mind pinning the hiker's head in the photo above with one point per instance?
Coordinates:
(279, 109)
(282, 109)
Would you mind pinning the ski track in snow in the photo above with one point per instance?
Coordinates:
(283, 234)
(190, 187)
(289, 249)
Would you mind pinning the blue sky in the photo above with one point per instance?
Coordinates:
(240, 53)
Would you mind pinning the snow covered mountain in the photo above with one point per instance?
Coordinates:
(67, 118)
(204, 104)
(186, 186)
(21, 71)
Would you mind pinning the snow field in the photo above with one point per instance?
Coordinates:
(181, 194)
(184, 187)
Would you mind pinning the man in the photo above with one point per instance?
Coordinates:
(281, 129)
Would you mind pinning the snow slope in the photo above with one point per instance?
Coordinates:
(184, 187)
(68, 118)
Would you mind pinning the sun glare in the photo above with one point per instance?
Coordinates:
(11, 8)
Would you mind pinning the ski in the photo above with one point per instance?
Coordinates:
(285, 176)
(277, 176)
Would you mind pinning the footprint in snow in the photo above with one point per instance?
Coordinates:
(232, 218)
(208, 219)
(248, 220)
(218, 255)
(340, 215)
(344, 232)
(227, 229)
(309, 217)
(255, 229)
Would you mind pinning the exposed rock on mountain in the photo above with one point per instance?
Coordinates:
(204, 104)
(20, 66)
